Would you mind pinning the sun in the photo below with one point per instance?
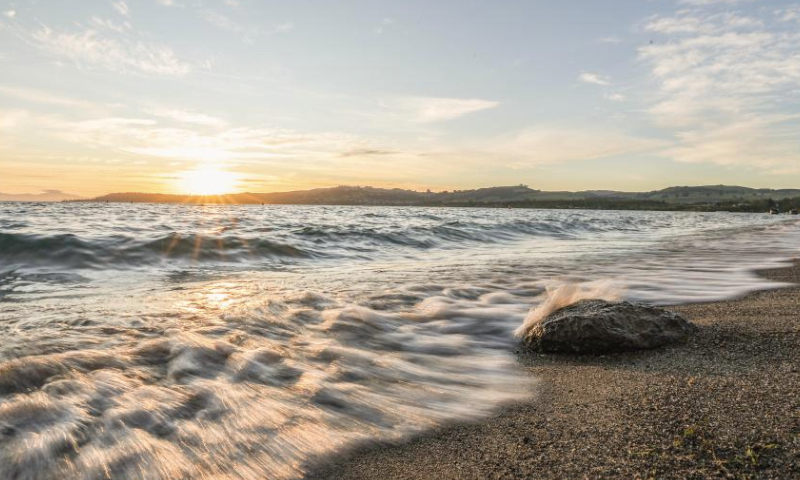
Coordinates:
(207, 180)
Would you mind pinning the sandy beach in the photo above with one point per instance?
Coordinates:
(724, 405)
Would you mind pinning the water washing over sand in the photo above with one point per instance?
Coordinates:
(241, 342)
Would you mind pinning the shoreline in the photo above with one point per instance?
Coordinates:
(726, 404)
(669, 208)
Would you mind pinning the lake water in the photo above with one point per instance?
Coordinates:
(176, 342)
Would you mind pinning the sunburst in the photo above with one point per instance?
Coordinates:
(207, 180)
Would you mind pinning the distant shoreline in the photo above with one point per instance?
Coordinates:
(713, 198)
(700, 199)
(529, 206)
(670, 208)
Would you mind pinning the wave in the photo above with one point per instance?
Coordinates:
(283, 235)
(73, 251)
(565, 295)
(232, 244)
(274, 383)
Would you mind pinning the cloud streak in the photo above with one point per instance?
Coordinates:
(594, 78)
(437, 109)
(187, 117)
(38, 96)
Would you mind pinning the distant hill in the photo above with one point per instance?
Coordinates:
(718, 193)
(714, 197)
(45, 196)
(342, 195)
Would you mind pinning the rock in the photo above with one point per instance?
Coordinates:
(597, 326)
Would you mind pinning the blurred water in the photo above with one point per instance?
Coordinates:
(170, 341)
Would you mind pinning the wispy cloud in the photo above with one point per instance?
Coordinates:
(12, 118)
(696, 22)
(789, 14)
(91, 48)
(247, 33)
(198, 138)
(221, 21)
(105, 23)
(594, 78)
(722, 80)
(121, 7)
(556, 144)
(38, 96)
(435, 109)
(366, 152)
(184, 116)
(614, 97)
(10, 13)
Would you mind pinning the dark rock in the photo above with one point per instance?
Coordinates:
(596, 326)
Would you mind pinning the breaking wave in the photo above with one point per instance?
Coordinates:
(564, 295)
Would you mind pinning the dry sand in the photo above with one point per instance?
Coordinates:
(724, 405)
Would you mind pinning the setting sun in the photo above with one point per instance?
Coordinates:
(207, 180)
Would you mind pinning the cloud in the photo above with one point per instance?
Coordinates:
(552, 144)
(694, 22)
(221, 21)
(247, 33)
(723, 87)
(614, 97)
(12, 118)
(281, 27)
(108, 24)
(147, 137)
(10, 13)
(38, 96)
(594, 79)
(184, 116)
(121, 7)
(117, 54)
(364, 152)
(433, 109)
(768, 141)
(789, 14)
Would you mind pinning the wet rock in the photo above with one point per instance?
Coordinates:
(597, 326)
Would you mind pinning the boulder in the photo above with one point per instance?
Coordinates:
(598, 326)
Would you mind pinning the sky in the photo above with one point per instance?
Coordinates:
(102, 96)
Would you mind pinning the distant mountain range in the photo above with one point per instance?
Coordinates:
(711, 197)
(45, 196)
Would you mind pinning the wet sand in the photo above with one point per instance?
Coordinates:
(724, 405)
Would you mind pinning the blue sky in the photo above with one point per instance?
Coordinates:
(99, 96)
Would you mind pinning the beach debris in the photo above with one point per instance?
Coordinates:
(599, 326)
